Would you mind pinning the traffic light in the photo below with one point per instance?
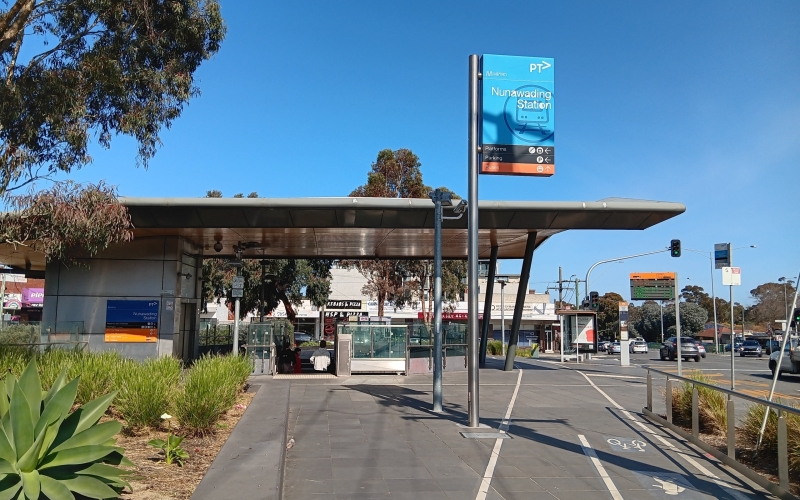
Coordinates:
(594, 300)
(675, 248)
(795, 318)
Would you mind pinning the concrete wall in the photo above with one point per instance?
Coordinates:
(144, 269)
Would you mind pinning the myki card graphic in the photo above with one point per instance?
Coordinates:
(518, 121)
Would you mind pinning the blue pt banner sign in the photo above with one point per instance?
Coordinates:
(518, 123)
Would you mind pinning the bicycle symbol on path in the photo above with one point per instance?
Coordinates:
(620, 444)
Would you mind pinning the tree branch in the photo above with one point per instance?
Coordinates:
(14, 22)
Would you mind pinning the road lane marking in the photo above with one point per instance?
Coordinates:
(726, 487)
(592, 456)
(486, 481)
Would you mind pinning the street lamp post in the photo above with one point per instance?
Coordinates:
(661, 305)
(713, 295)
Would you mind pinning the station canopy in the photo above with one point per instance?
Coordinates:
(364, 228)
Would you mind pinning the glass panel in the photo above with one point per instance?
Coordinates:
(389, 342)
(419, 351)
(362, 341)
(420, 335)
(455, 333)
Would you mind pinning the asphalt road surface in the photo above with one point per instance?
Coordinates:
(752, 374)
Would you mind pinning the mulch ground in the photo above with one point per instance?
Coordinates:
(155, 480)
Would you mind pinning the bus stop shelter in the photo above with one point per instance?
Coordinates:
(163, 264)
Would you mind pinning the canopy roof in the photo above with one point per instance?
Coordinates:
(356, 228)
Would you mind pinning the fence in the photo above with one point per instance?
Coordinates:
(782, 488)
(63, 333)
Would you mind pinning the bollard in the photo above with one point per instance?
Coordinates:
(649, 391)
(783, 454)
(695, 413)
(731, 428)
(669, 400)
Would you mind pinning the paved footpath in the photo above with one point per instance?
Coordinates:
(573, 432)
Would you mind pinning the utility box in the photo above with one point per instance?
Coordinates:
(344, 344)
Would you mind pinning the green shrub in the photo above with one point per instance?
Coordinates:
(495, 347)
(53, 453)
(523, 352)
(96, 369)
(146, 390)
(19, 334)
(210, 389)
(711, 405)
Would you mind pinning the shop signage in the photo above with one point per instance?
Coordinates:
(450, 316)
(33, 297)
(350, 305)
(517, 110)
(131, 321)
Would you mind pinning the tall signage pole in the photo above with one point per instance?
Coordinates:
(472, 244)
(678, 326)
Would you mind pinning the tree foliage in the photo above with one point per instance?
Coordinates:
(95, 67)
(608, 314)
(66, 221)
(397, 174)
(771, 302)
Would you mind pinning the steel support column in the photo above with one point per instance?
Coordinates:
(487, 307)
(473, 397)
(522, 292)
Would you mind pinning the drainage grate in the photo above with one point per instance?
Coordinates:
(486, 435)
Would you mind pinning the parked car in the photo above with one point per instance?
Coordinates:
(615, 348)
(771, 346)
(602, 345)
(701, 347)
(750, 348)
(638, 346)
(300, 337)
(736, 347)
(689, 350)
(789, 362)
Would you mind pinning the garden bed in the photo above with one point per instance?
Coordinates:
(154, 480)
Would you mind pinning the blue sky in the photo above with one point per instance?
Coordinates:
(694, 102)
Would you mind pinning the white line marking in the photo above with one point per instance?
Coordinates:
(498, 443)
(613, 375)
(589, 452)
(727, 487)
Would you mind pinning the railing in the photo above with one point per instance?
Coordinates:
(730, 458)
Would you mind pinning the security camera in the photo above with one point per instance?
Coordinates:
(461, 207)
(218, 246)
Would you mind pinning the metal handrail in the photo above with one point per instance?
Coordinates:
(753, 399)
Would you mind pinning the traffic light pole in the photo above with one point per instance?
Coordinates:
(589, 272)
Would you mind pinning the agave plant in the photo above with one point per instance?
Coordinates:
(48, 452)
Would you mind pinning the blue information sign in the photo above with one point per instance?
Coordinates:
(518, 121)
(131, 321)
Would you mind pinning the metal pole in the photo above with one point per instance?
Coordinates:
(661, 304)
(733, 342)
(560, 295)
(714, 299)
(472, 244)
(236, 321)
(3, 302)
(678, 326)
(503, 316)
(778, 366)
(261, 298)
(577, 292)
(437, 302)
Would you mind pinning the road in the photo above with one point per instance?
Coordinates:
(753, 376)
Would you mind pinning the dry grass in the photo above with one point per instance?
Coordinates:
(154, 480)
(711, 405)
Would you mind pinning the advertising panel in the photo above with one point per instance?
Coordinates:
(131, 321)
(517, 115)
(585, 329)
(623, 321)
